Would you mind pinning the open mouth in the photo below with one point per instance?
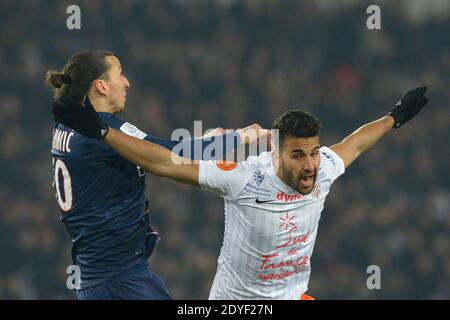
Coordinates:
(306, 181)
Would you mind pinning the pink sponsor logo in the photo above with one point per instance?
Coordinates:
(289, 197)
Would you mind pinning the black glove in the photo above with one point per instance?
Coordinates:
(83, 119)
(408, 106)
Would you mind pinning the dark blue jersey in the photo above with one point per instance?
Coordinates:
(101, 196)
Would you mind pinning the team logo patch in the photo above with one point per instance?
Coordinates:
(226, 165)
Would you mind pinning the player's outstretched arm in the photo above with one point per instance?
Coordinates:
(362, 139)
(156, 159)
(152, 157)
(366, 136)
(220, 140)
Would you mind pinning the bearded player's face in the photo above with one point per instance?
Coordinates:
(299, 162)
(117, 85)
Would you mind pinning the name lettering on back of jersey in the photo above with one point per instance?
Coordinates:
(61, 140)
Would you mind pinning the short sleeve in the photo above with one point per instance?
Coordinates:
(223, 178)
(331, 163)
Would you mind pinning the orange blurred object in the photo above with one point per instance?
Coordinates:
(306, 297)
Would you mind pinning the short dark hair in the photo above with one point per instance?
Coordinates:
(296, 123)
(79, 72)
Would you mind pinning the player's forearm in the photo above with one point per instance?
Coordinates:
(154, 158)
(369, 134)
(147, 155)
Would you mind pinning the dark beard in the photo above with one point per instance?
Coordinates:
(292, 181)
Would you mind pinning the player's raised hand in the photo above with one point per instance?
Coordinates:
(409, 106)
(249, 134)
(81, 118)
(214, 133)
(255, 134)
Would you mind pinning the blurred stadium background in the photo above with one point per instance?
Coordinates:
(231, 63)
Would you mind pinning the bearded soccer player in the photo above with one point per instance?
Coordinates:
(273, 202)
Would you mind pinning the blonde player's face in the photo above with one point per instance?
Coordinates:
(299, 162)
(117, 85)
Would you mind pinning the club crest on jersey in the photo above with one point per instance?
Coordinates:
(226, 165)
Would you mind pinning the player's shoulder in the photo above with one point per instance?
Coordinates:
(327, 156)
(126, 127)
(239, 171)
(331, 164)
(262, 163)
(228, 179)
(111, 119)
(263, 160)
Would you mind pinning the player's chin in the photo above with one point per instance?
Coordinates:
(121, 107)
(306, 189)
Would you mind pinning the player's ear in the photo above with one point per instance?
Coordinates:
(101, 86)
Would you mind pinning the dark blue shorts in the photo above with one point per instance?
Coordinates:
(141, 285)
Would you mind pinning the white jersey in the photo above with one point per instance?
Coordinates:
(270, 229)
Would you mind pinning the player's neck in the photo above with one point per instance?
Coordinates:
(100, 105)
